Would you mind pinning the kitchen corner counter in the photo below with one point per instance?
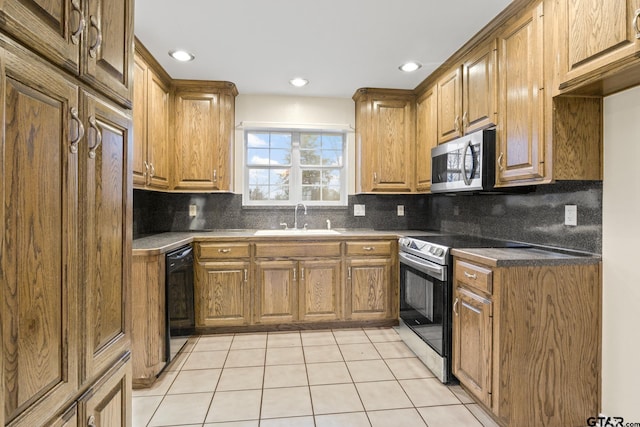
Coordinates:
(526, 256)
(157, 244)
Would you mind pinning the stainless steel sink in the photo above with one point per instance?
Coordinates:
(296, 232)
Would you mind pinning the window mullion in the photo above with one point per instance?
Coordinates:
(296, 170)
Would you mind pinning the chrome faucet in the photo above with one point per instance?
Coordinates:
(295, 214)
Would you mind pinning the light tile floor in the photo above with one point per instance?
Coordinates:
(331, 378)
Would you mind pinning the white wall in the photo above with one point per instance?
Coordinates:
(621, 257)
(295, 112)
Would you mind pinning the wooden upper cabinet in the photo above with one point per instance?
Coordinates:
(480, 88)
(426, 137)
(91, 38)
(39, 220)
(596, 35)
(204, 116)
(53, 28)
(467, 94)
(151, 113)
(107, 57)
(450, 105)
(520, 147)
(106, 217)
(386, 140)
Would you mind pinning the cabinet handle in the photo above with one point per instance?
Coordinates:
(465, 121)
(456, 123)
(215, 175)
(295, 275)
(245, 275)
(500, 157)
(75, 7)
(636, 27)
(455, 304)
(471, 276)
(375, 178)
(224, 251)
(153, 170)
(349, 273)
(93, 50)
(91, 422)
(369, 248)
(74, 142)
(302, 273)
(94, 125)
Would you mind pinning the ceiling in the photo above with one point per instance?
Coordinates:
(338, 45)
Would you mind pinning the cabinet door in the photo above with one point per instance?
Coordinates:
(108, 402)
(158, 136)
(53, 28)
(148, 331)
(276, 292)
(598, 33)
(140, 96)
(472, 343)
(480, 88)
(392, 145)
(368, 285)
(106, 234)
(449, 106)
(38, 261)
(107, 57)
(197, 121)
(426, 137)
(222, 293)
(320, 290)
(520, 146)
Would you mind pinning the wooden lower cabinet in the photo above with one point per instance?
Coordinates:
(526, 340)
(222, 293)
(148, 335)
(275, 291)
(319, 290)
(367, 289)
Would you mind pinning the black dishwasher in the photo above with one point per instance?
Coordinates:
(179, 292)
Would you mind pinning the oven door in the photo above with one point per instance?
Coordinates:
(425, 301)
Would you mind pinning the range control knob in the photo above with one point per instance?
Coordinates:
(439, 251)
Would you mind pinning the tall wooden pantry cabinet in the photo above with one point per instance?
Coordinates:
(66, 192)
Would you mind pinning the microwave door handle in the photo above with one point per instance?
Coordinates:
(463, 169)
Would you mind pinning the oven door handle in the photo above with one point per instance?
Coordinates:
(434, 270)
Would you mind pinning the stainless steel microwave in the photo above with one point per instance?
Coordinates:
(465, 164)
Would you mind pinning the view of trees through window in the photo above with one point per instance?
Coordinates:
(294, 166)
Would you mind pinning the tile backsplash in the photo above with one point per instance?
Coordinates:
(536, 217)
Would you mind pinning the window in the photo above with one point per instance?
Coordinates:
(286, 167)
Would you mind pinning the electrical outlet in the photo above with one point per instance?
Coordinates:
(570, 215)
(400, 210)
(193, 210)
(358, 210)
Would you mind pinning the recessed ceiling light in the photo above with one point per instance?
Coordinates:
(181, 55)
(410, 66)
(299, 82)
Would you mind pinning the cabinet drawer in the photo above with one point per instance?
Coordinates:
(369, 248)
(277, 249)
(223, 250)
(475, 276)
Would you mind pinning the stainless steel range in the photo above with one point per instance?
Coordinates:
(425, 295)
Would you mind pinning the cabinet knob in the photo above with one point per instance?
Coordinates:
(215, 175)
(349, 273)
(636, 25)
(500, 157)
(369, 248)
(456, 123)
(91, 422)
(455, 304)
(465, 121)
(375, 178)
(471, 276)
(80, 132)
(75, 36)
(295, 275)
(224, 251)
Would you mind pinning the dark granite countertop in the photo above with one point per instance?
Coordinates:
(164, 242)
(526, 256)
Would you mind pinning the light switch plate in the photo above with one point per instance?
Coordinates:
(570, 215)
(400, 210)
(193, 210)
(358, 210)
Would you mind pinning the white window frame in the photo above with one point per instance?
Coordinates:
(295, 183)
